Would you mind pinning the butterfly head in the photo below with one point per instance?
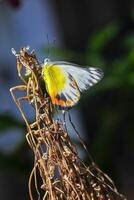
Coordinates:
(46, 61)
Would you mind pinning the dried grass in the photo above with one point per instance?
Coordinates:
(63, 173)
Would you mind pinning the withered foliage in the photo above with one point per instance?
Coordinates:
(63, 174)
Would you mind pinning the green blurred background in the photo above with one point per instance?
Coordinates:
(99, 33)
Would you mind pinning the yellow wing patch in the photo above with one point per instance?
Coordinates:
(54, 77)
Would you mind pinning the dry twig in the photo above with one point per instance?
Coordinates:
(63, 174)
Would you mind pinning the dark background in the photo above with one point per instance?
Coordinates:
(93, 33)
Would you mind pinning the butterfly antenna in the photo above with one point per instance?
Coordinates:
(48, 49)
(54, 42)
(79, 137)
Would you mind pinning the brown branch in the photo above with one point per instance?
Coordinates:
(63, 174)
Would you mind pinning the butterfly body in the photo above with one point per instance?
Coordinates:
(66, 81)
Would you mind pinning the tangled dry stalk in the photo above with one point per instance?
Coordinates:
(63, 174)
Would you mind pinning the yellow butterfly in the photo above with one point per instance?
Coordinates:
(66, 81)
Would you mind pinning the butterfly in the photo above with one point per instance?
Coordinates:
(66, 81)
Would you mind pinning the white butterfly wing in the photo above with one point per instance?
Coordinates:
(85, 77)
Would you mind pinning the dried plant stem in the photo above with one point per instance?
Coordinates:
(63, 174)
